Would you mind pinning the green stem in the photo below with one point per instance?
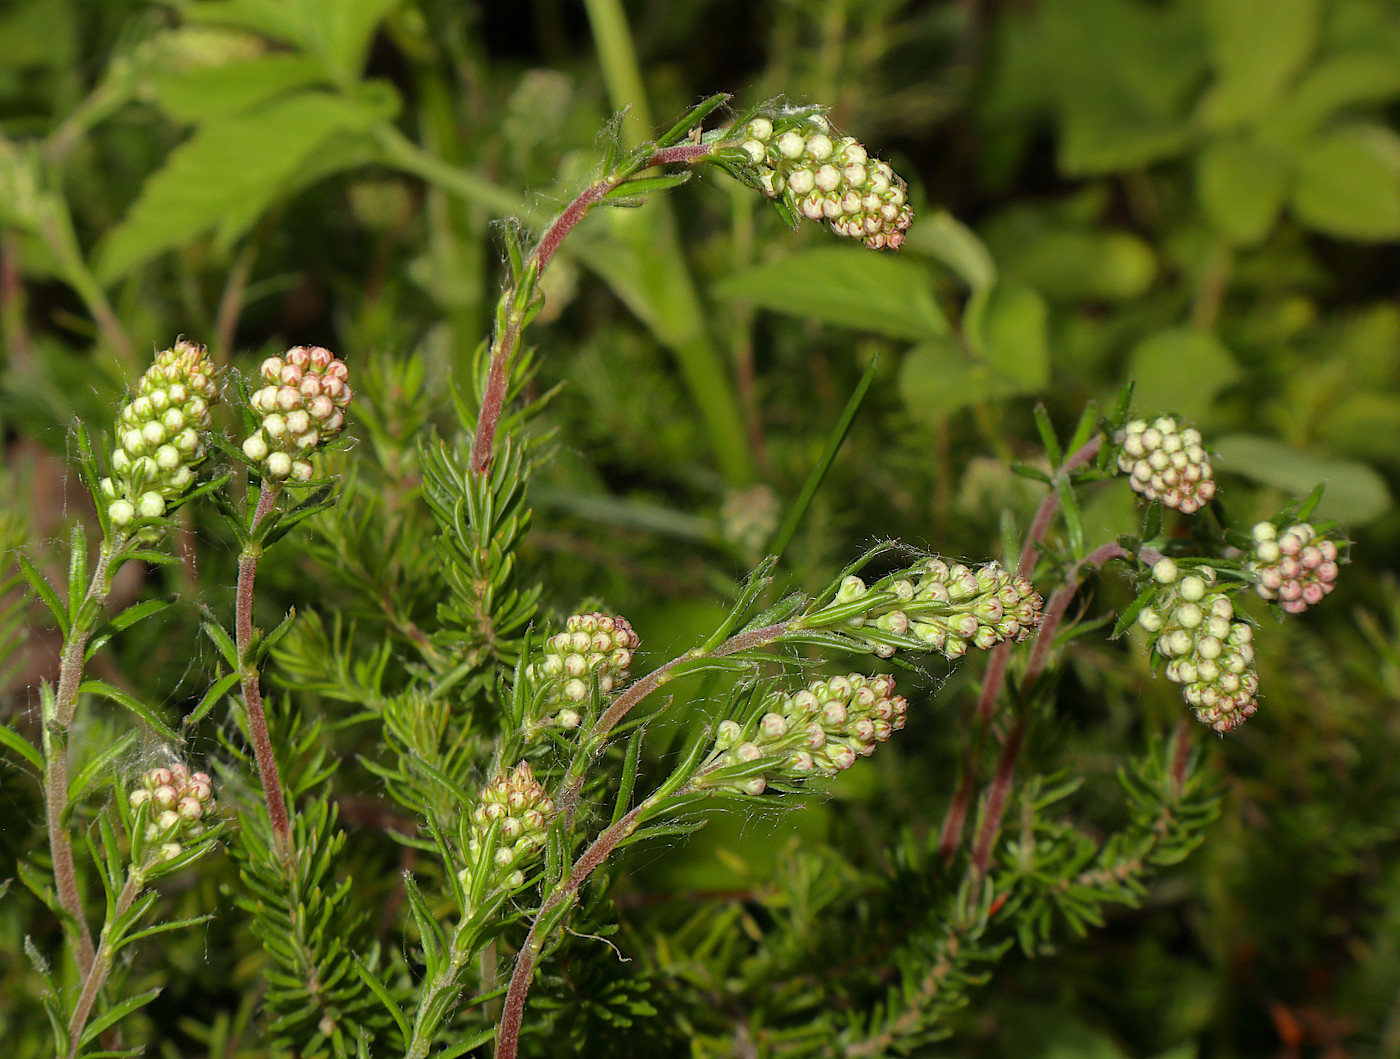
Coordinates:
(96, 974)
(58, 722)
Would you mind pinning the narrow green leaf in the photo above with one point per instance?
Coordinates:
(211, 698)
(140, 709)
(21, 746)
(462, 1047)
(639, 186)
(1047, 436)
(1130, 613)
(124, 620)
(167, 927)
(77, 571)
(263, 646)
(44, 591)
(692, 119)
(818, 473)
(116, 1013)
(377, 988)
(222, 641)
(97, 765)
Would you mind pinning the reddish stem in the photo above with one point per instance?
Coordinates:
(950, 834)
(252, 693)
(507, 338)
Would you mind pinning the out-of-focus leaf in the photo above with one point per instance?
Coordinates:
(1256, 47)
(1005, 325)
(227, 174)
(1242, 185)
(848, 287)
(1181, 369)
(1349, 183)
(956, 245)
(206, 92)
(1071, 263)
(1355, 492)
(1345, 79)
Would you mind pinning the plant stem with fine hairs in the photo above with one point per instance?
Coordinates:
(248, 675)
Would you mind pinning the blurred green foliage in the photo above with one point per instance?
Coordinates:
(1202, 195)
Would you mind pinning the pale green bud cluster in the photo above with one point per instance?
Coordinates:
(592, 647)
(301, 405)
(508, 827)
(1165, 461)
(160, 434)
(944, 607)
(1206, 648)
(1297, 566)
(176, 802)
(826, 177)
(820, 730)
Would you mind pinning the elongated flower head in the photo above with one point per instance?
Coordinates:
(160, 433)
(508, 825)
(177, 804)
(825, 177)
(300, 407)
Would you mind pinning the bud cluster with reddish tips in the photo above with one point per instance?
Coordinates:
(825, 177)
(1207, 650)
(820, 730)
(301, 406)
(177, 802)
(159, 434)
(941, 607)
(1297, 567)
(593, 646)
(508, 826)
(1165, 461)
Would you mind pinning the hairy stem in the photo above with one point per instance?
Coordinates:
(950, 835)
(96, 974)
(248, 674)
(507, 338)
(57, 725)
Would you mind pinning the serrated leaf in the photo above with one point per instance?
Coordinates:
(230, 171)
(847, 287)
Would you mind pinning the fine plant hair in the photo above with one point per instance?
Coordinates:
(416, 785)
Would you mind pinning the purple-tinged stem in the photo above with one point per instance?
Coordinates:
(950, 834)
(507, 338)
(252, 693)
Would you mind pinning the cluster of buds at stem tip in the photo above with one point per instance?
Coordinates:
(936, 606)
(820, 730)
(593, 648)
(1165, 461)
(1297, 566)
(301, 406)
(826, 177)
(177, 802)
(1206, 648)
(508, 827)
(160, 434)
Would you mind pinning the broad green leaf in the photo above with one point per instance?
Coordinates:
(1347, 79)
(1355, 492)
(282, 20)
(207, 92)
(937, 378)
(1349, 183)
(1005, 325)
(848, 287)
(1181, 369)
(231, 170)
(1070, 263)
(946, 238)
(1256, 46)
(1242, 186)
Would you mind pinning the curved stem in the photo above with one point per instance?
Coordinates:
(252, 693)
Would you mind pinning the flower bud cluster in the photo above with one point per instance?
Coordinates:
(1297, 567)
(1207, 649)
(1166, 462)
(159, 434)
(177, 802)
(820, 730)
(508, 825)
(828, 178)
(946, 608)
(302, 405)
(596, 645)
